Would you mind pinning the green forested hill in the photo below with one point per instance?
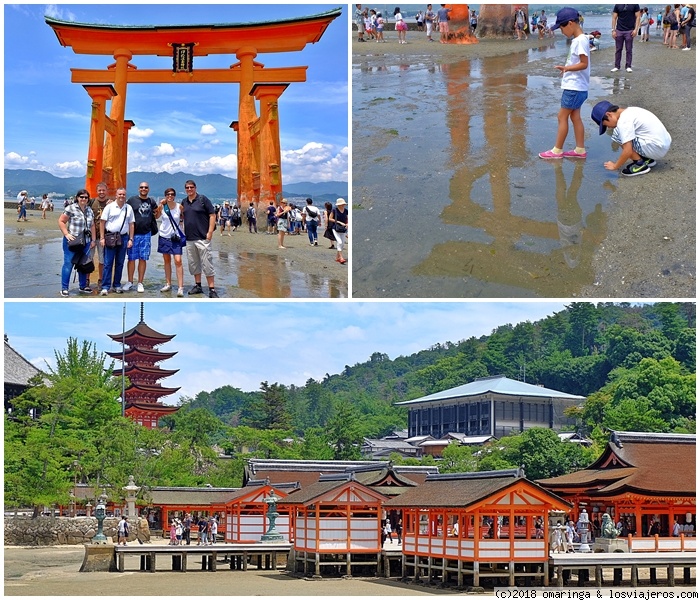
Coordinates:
(577, 350)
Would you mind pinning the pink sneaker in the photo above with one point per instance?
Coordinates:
(550, 154)
(574, 154)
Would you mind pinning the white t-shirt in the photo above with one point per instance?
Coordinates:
(165, 227)
(645, 130)
(577, 80)
(113, 216)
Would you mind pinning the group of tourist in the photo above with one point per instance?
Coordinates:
(102, 234)
(112, 232)
(371, 23)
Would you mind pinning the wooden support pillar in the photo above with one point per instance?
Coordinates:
(560, 576)
(599, 575)
(511, 564)
(268, 138)
(634, 575)
(686, 575)
(652, 575)
(152, 556)
(476, 571)
(671, 571)
(128, 124)
(234, 126)
(317, 572)
(113, 150)
(246, 116)
(95, 159)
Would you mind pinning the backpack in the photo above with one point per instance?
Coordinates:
(670, 18)
(250, 213)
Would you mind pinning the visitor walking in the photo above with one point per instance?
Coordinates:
(339, 218)
(625, 24)
(312, 217)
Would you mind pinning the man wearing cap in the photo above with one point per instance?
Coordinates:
(626, 19)
(641, 135)
(200, 219)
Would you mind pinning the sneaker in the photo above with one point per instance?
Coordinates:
(104, 292)
(196, 289)
(628, 69)
(64, 293)
(139, 288)
(316, 243)
(212, 293)
(180, 292)
(635, 168)
(650, 162)
(118, 290)
(166, 288)
(574, 154)
(685, 49)
(614, 70)
(550, 154)
(127, 286)
(86, 290)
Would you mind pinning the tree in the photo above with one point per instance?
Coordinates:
(344, 433)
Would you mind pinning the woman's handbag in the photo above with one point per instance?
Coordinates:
(179, 237)
(79, 241)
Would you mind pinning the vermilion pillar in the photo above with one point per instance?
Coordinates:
(113, 153)
(95, 159)
(128, 124)
(246, 115)
(269, 140)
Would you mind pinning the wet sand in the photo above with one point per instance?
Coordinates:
(247, 265)
(54, 571)
(450, 199)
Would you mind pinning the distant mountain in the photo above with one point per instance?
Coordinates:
(216, 187)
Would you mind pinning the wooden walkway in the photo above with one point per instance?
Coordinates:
(593, 564)
(237, 555)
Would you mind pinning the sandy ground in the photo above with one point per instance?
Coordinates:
(54, 571)
(247, 265)
(649, 247)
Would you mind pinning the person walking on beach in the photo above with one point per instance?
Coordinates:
(576, 75)
(687, 25)
(626, 19)
(360, 23)
(22, 206)
(400, 26)
(443, 14)
(116, 236)
(200, 219)
(339, 219)
(170, 241)
(644, 24)
(252, 217)
(639, 132)
(328, 233)
(283, 217)
(429, 20)
(44, 205)
(312, 217)
(380, 28)
(520, 23)
(145, 212)
(271, 211)
(98, 205)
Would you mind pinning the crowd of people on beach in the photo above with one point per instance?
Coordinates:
(103, 233)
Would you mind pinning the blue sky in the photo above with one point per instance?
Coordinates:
(244, 343)
(178, 127)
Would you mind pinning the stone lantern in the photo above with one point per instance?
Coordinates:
(272, 534)
(583, 530)
(131, 490)
(100, 513)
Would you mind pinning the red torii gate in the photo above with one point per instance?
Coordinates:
(259, 164)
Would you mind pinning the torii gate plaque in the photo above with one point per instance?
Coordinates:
(259, 166)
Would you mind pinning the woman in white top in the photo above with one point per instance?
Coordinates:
(400, 25)
(169, 242)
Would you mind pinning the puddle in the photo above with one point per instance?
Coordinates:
(449, 196)
(34, 271)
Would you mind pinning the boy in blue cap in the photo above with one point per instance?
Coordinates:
(576, 76)
(640, 133)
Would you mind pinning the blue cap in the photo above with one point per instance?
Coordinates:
(565, 15)
(598, 114)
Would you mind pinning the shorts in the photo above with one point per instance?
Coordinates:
(573, 99)
(141, 247)
(99, 253)
(166, 246)
(444, 27)
(199, 258)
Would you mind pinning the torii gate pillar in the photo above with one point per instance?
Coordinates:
(246, 115)
(128, 124)
(114, 152)
(270, 163)
(98, 122)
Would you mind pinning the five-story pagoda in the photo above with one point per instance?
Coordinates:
(140, 361)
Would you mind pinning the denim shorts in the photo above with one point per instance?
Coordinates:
(573, 99)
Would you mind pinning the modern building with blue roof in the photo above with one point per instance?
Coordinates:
(494, 406)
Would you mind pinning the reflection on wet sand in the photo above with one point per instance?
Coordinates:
(520, 224)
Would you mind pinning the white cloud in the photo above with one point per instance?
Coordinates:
(174, 166)
(68, 169)
(226, 165)
(61, 13)
(164, 149)
(13, 160)
(315, 162)
(139, 134)
(208, 129)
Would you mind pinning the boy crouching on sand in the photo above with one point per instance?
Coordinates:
(576, 76)
(641, 134)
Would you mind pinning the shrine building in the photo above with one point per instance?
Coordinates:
(490, 406)
(140, 359)
(640, 477)
(258, 136)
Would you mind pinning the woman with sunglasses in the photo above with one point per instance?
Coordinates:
(76, 220)
(168, 246)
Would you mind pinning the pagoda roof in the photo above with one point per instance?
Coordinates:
(284, 35)
(131, 352)
(144, 331)
(499, 386)
(150, 388)
(150, 406)
(149, 370)
(654, 464)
